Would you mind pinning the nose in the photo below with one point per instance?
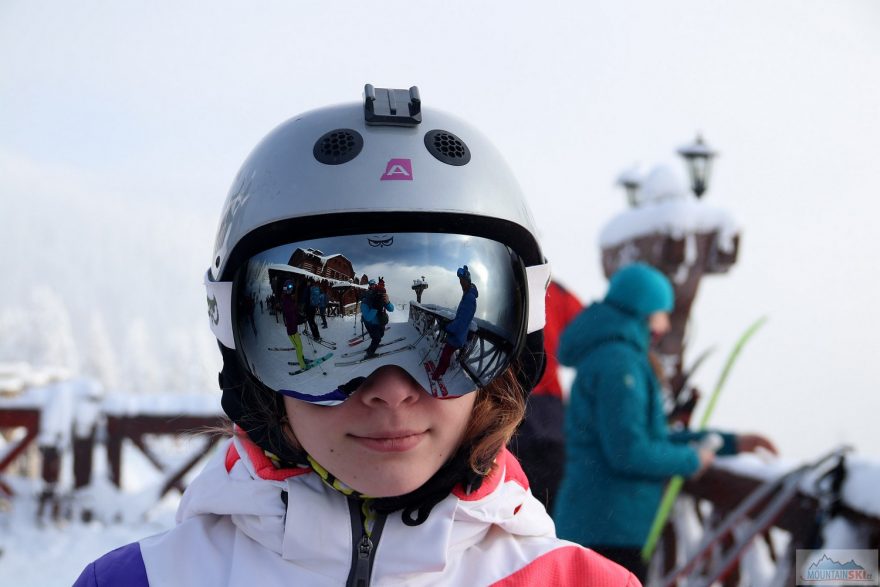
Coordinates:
(389, 386)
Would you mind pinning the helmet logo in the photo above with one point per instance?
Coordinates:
(398, 169)
(213, 310)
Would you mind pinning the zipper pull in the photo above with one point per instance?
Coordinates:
(362, 566)
(365, 547)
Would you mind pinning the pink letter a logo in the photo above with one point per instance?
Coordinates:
(398, 169)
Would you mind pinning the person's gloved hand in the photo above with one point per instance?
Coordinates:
(754, 443)
(707, 456)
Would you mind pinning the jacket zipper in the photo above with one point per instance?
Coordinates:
(364, 547)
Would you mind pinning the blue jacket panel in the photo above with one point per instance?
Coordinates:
(619, 454)
(315, 296)
(123, 566)
(457, 330)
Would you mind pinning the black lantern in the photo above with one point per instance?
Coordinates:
(631, 182)
(699, 157)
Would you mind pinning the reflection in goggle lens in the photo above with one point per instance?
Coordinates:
(314, 318)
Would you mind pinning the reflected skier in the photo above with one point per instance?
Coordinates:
(457, 330)
(374, 313)
(292, 319)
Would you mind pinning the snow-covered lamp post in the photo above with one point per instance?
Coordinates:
(680, 235)
(631, 181)
(698, 156)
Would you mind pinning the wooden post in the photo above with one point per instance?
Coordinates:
(28, 418)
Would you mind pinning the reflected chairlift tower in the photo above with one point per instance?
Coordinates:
(419, 285)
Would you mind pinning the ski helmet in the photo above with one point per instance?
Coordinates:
(385, 186)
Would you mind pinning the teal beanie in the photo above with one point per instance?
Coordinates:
(641, 290)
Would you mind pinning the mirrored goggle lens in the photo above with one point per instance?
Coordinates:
(314, 318)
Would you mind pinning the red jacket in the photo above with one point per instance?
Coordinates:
(562, 307)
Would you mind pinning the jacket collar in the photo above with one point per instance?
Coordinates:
(314, 529)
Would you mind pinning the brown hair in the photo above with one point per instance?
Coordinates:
(498, 411)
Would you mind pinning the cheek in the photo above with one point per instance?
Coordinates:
(308, 424)
(457, 414)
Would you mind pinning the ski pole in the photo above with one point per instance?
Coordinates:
(677, 482)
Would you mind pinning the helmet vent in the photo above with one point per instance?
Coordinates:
(338, 146)
(447, 148)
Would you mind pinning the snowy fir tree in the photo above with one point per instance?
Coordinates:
(142, 372)
(99, 359)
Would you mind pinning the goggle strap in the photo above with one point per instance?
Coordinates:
(220, 310)
(538, 277)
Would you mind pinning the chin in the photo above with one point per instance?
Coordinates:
(393, 485)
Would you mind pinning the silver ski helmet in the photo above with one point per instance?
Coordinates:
(348, 180)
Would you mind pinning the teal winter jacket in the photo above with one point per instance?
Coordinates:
(619, 453)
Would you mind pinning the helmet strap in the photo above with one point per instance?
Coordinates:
(532, 361)
(245, 410)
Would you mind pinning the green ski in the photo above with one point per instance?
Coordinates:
(676, 483)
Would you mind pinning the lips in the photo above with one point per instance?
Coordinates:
(391, 441)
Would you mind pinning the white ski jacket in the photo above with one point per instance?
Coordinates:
(235, 529)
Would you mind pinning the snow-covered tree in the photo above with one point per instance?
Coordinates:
(191, 360)
(142, 372)
(14, 343)
(50, 332)
(99, 359)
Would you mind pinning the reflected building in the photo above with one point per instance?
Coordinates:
(332, 272)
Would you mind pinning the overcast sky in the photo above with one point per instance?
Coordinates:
(123, 124)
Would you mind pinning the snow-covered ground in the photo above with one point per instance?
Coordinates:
(36, 551)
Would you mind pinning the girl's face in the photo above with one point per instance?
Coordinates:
(659, 323)
(388, 438)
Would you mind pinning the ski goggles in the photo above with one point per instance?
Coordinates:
(452, 310)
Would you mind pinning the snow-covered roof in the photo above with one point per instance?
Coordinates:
(301, 271)
(320, 255)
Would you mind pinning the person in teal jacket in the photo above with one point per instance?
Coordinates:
(620, 453)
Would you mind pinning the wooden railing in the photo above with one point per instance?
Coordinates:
(723, 490)
(53, 421)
